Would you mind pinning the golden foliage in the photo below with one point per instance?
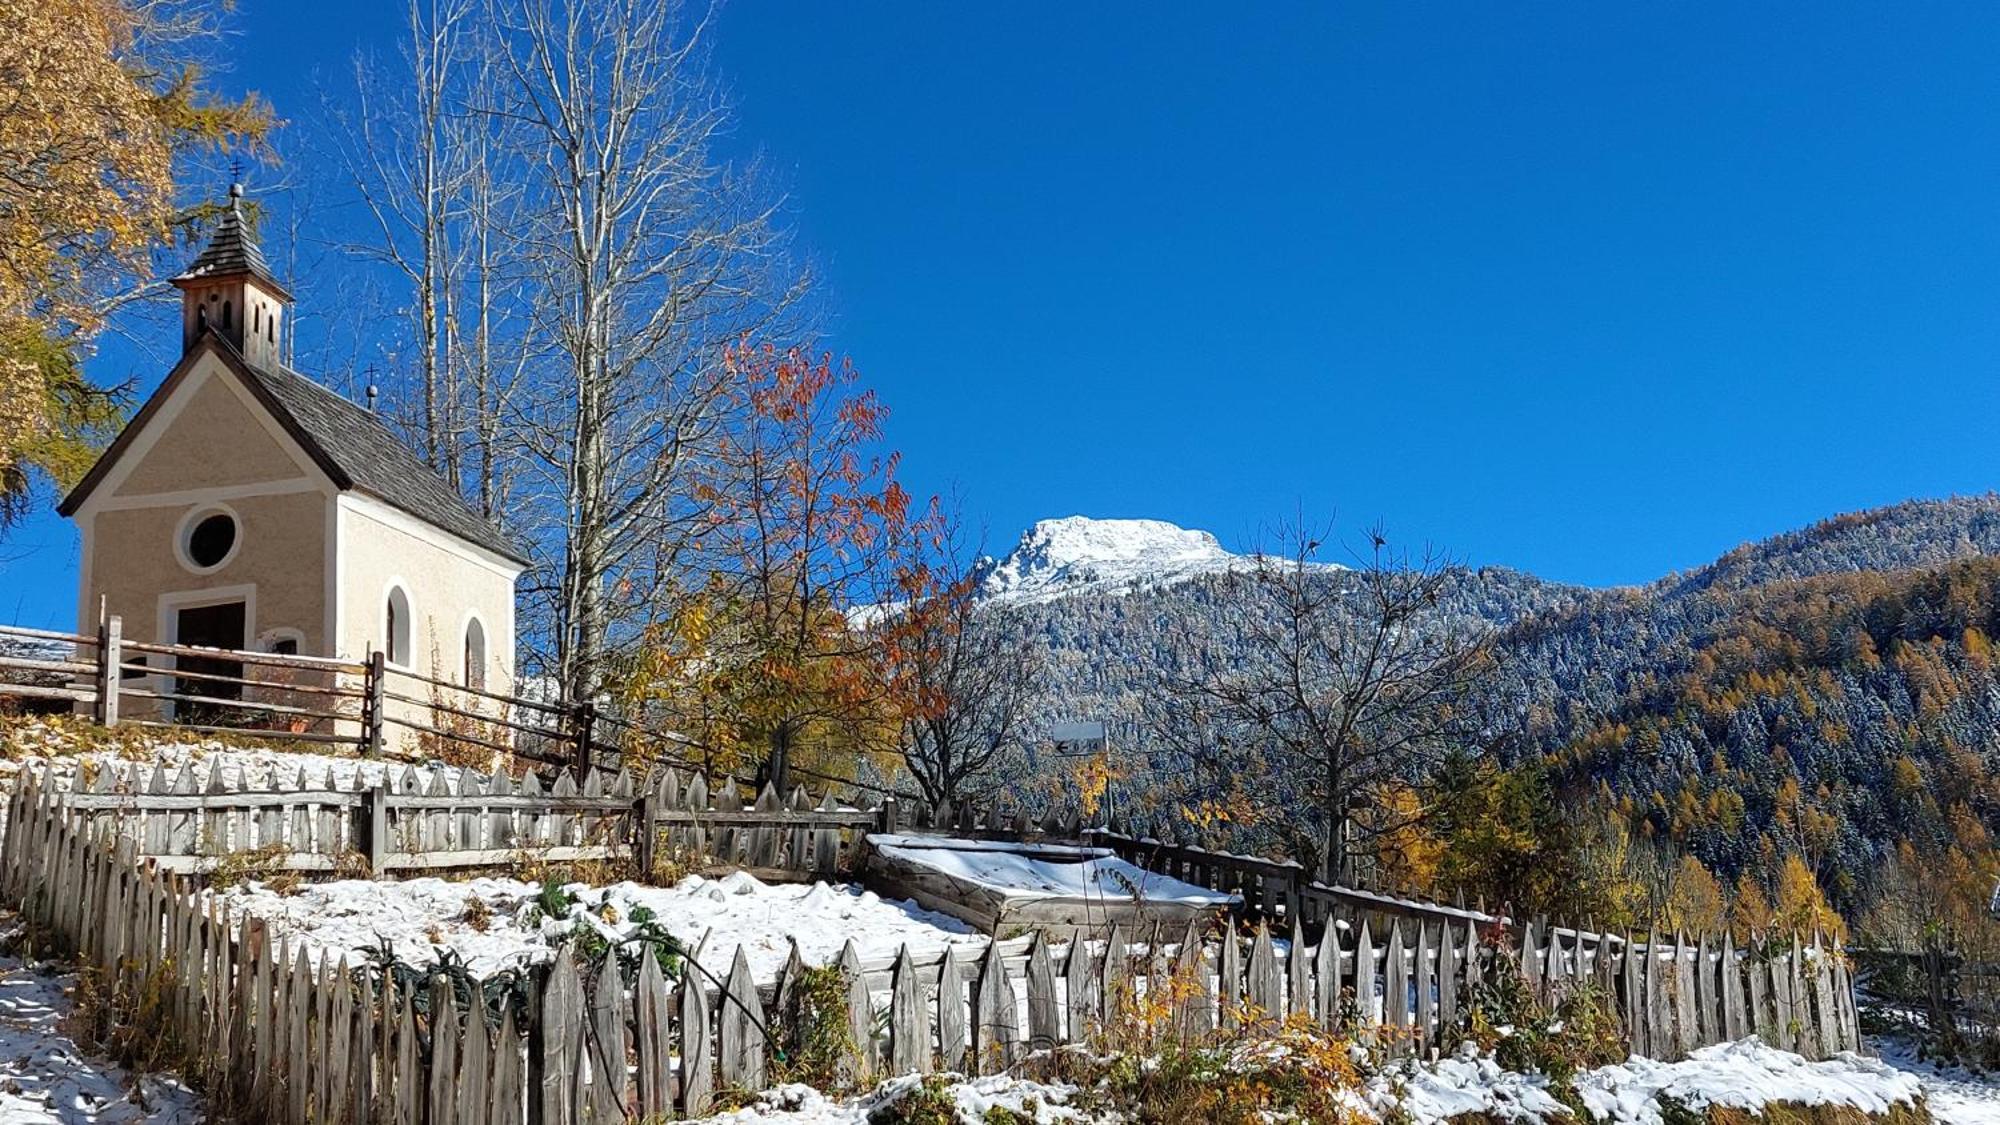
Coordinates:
(92, 118)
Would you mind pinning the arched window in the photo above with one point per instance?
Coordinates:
(225, 313)
(396, 627)
(475, 654)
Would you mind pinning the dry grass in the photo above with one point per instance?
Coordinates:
(262, 865)
(63, 736)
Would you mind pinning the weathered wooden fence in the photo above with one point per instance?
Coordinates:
(301, 1036)
(406, 819)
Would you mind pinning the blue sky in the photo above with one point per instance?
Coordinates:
(1597, 291)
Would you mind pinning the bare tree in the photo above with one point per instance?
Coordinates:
(544, 185)
(646, 257)
(1354, 688)
(967, 679)
(428, 160)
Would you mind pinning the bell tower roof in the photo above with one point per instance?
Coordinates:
(232, 252)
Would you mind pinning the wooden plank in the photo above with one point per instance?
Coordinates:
(1298, 972)
(1687, 1033)
(1083, 991)
(740, 1056)
(1368, 1014)
(1735, 1023)
(407, 1099)
(297, 1065)
(996, 1026)
(1652, 1039)
(337, 1092)
(1265, 986)
(1448, 955)
(506, 1097)
(475, 1067)
(441, 1081)
(861, 1066)
(1532, 974)
(909, 1028)
(1326, 978)
(364, 1050)
(1044, 1020)
(561, 1042)
(1194, 1008)
(652, 1025)
(609, 1077)
(1423, 978)
(1707, 994)
(697, 1050)
(1762, 1022)
(1395, 994)
(954, 1044)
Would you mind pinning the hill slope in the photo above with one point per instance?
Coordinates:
(1825, 692)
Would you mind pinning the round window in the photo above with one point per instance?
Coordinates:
(211, 539)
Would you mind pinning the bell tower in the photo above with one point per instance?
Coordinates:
(230, 290)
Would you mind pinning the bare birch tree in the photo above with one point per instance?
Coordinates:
(544, 181)
(646, 256)
(1356, 687)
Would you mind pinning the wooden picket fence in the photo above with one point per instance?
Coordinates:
(296, 1036)
(405, 819)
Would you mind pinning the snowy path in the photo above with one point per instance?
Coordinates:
(1956, 1096)
(45, 1077)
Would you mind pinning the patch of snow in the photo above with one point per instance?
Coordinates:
(1078, 553)
(1042, 1103)
(1956, 1095)
(421, 917)
(46, 1077)
(1044, 871)
(1745, 1074)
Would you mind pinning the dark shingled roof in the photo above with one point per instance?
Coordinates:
(231, 249)
(375, 460)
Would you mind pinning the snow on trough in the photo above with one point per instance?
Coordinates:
(420, 917)
(1044, 871)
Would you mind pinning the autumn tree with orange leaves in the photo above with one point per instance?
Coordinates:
(777, 662)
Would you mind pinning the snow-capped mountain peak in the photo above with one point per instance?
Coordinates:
(1078, 553)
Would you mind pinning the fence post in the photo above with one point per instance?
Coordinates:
(377, 812)
(642, 825)
(110, 655)
(371, 706)
(584, 719)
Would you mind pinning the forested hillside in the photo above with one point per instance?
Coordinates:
(1826, 696)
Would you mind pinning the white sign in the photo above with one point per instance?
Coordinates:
(1077, 732)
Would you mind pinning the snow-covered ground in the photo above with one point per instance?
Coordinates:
(1745, 1075)
(1956, 1096)
(46, 1077)
(974, 1098)
(420, 917)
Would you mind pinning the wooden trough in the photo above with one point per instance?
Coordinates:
(1005, 888)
